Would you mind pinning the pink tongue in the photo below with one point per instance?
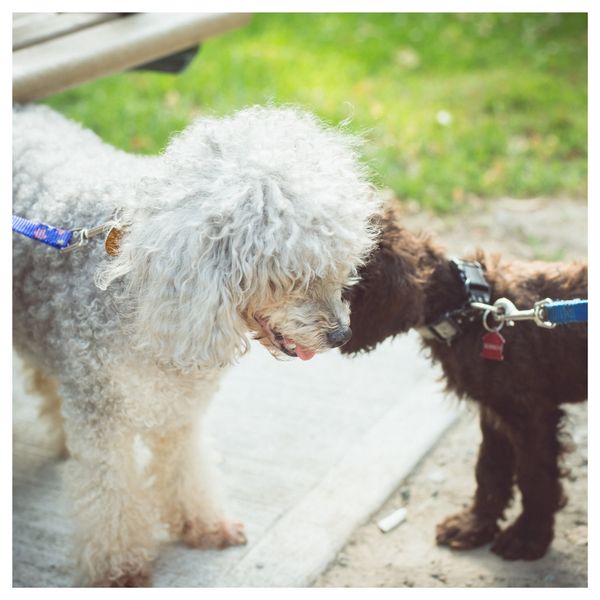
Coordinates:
(304, 353)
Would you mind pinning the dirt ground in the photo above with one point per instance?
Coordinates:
(443, 483)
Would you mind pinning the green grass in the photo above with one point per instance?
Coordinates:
(514, 85)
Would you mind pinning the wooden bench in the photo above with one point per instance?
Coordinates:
(53, 52)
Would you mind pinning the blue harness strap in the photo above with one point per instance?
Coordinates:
(53, 236)
(566, 311)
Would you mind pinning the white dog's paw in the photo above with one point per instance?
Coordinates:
(219, 535)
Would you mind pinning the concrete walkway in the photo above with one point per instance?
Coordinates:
(307, 450)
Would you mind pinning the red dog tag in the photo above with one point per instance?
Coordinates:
(493, 344)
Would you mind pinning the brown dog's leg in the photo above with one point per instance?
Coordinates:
(537, 449)
(477, 525)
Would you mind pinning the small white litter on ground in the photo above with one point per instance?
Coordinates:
(437, 476)
(392, 520)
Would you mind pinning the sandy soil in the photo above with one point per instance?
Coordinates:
(443, 483)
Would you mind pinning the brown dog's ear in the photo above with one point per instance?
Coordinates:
(388, 299)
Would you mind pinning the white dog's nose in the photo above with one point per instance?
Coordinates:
(338, 337)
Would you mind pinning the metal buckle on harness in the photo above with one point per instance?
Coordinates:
(471, 274)
(443, 330)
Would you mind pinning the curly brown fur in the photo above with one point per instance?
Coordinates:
(408, 283)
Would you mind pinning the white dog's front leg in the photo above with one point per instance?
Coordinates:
(113, 514)
(188, 494)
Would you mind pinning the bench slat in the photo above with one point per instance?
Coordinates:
(69, 60)
(33, 28)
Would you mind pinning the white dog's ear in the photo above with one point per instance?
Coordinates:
(182, 290)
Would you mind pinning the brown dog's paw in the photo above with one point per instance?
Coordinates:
(520, 541)
(219, 535)
(134, 579)
(465, 530)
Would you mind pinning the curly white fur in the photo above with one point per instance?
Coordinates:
(252, 223)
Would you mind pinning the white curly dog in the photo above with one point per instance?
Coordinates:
(249, 224)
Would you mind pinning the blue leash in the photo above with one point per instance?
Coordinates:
(566, 311)
(66, 239)
(53, 236)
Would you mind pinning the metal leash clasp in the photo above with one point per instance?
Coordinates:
(540, 313)
(83, 239)
(504, 312)
(84, 233)
(510, 313)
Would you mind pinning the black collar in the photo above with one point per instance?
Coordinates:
(477, 289)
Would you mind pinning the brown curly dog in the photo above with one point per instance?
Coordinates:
(409, 284)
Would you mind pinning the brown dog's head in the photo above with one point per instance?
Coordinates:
(389, 297)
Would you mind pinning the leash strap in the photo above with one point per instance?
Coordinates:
(52, 236)
(566, 311)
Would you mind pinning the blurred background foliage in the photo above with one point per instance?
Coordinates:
(453, 106)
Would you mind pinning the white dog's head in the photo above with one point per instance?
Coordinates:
(253, 222)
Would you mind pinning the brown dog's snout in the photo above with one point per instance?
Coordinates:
(338, 337)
